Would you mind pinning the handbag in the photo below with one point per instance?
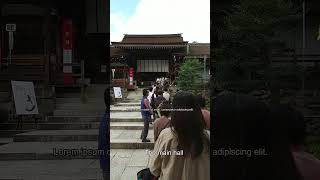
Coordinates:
(145, 174)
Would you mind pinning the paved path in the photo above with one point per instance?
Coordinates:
(128, 154)
(126, 163)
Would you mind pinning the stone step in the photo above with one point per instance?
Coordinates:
(5, 140)
(126, 115)
(128, 126)
(90, 112)
(89, 125)
(77, 169)
(125, 109)
(82, 108)
(70, 119)
(66, 119)
(81, 105)
(49, 150)
(12, 132)
(4, 95)
(93, 94)
(127, 104)
(73, 119)
(57, 126)
(126, 120)
(77, 100)
(129, 139)
(126, 144)
(120, 139)
(57, 135)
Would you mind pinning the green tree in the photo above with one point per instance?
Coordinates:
(190, 76)
(250, 34)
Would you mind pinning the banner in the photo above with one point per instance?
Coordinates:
(117, 92)
(67, 45)
(130, 76)
(24, 98)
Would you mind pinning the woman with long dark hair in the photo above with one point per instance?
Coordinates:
(182, 150)
(249, 141)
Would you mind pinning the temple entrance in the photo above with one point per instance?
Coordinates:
(151, 56)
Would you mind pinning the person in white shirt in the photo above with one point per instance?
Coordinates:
(166, 94)
(151, 92)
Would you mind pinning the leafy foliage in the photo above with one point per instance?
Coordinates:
(250, 34)
(190, 76)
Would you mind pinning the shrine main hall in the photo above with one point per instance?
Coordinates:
(147, 57)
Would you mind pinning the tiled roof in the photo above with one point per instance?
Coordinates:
(152, 39)
(199, 49)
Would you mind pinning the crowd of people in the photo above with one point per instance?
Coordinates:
(177, 129)
(250, 139)
(156, 107)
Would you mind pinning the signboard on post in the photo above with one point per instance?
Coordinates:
(24, 98)
(67, 45)
(117, 92)
(113, 71)
(11, 27)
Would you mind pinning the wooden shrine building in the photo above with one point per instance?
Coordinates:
(45, 41)
(143, 58)
(49, 38)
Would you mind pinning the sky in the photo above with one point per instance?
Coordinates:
(189, 17)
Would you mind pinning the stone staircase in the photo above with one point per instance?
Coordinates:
(62, 146)
(126, 124)
(128, 153)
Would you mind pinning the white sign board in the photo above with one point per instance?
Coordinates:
(117, 92)
(11, 27)
(24, 97)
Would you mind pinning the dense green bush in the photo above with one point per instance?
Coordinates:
(190, 76)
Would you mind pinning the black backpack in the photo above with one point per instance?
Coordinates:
(145, 174)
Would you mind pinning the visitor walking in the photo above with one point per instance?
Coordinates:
(186, 142)
(307, 164)
(151, 98)
(162, 122)
(244, 125)
(159, 100)
(166, 94)
(146, 113)
(206, 114)
(104, 139)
